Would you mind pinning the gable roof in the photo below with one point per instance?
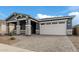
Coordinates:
(15, 14)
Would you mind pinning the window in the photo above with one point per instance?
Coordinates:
(48, 23)
(69, 26)
(54, 22)
(61, 22)
(69, 21)
(37, 26)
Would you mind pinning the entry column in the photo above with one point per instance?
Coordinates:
(28, 27)
(7, 28)
(18, 28)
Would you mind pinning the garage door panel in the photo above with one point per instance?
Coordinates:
(54, 29)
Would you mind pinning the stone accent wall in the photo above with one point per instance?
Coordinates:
(28, 30)
(11, 27)
(28, 27)
(69, 31)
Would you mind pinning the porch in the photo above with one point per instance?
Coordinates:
(21, 27)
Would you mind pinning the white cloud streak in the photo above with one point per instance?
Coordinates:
(40, 16)
(75, 21)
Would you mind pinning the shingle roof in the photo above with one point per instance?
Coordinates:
(19, 14)
(57, 18)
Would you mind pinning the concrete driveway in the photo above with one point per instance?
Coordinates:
(39, 43)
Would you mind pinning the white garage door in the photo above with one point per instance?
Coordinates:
(53, 29)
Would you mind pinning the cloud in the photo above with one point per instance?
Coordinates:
(75, 21)
(40, 16)
(74, 13)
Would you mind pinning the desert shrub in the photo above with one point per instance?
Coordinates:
(12, 38)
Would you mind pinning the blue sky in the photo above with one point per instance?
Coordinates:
(41, 11)
(34, 10)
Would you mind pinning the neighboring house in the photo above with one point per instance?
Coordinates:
(76, 30)
(24, 24)
(2, 27)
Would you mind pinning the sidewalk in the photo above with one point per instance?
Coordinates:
(7, 48)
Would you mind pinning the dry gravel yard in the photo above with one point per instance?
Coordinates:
(45, 43)
(6, 40)
(39, 43)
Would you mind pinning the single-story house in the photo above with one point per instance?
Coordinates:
(25, 24)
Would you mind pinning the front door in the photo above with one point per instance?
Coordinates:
(33, 27)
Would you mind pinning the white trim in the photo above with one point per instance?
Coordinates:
(11, 21)
(22, 19)
(27, 25)
(34, 21)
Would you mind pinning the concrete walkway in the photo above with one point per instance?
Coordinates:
(7, 48)
(39, 43)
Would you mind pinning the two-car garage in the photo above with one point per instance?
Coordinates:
(53, 28)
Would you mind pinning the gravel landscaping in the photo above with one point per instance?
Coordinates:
(7, 40)
(45, 43)
(38, 43)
